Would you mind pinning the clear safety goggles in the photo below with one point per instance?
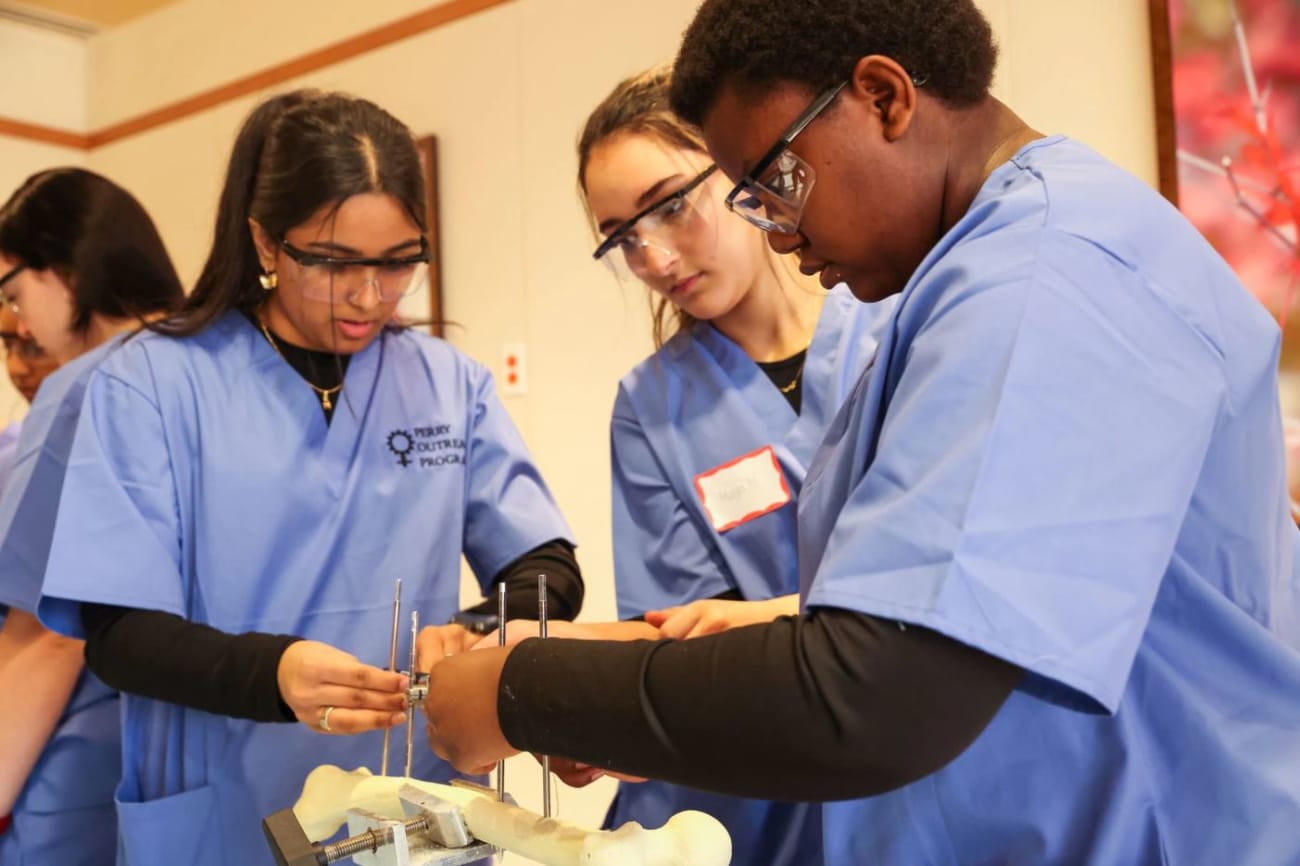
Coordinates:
(773, 195)
(653, 237)
(335, 278)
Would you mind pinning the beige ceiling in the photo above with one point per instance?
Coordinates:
(99, 14)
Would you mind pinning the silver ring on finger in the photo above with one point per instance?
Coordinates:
(325, 718)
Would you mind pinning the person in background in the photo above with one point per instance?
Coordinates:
(81, 265)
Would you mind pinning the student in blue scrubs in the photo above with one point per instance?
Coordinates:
(739, 395)
(82, 264)
(248, 480)
(1051, 612)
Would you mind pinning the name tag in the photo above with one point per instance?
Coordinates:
(745, 488)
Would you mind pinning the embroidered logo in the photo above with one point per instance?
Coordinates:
(401, 444)
(427, 447)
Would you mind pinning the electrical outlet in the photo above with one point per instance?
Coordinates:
(514, 370)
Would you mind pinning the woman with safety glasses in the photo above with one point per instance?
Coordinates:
(83, 265)
(711, 435)
(249, 479)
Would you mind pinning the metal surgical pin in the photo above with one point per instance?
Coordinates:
(501, 642)
(410, 710)
(541, 632)
(392, 666)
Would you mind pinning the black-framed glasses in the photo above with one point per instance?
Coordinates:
(667, 214)
(13, 343)
(5, 297)
(773, 194)
(323, 276)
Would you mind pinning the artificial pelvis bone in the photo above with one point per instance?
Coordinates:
(688, 839)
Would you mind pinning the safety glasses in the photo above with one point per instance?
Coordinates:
(657, 228)
(5, 297)
(329, 278)
(773, 194)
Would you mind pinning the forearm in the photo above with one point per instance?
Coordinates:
(619, 631)
(37, 678)
(165, 657)
(564, 585)
(874, 707)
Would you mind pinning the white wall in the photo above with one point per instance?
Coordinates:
(506, 92)
(43, 75)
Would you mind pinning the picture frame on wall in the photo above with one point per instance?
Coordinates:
(428, 150)
(1227, 99)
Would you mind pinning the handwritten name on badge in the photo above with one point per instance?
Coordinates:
(743, 489)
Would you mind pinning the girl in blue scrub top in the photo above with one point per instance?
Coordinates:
(82, 263)
(1047, 562)
(248, 480)
(740, 395)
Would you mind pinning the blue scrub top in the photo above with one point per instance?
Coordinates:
(696, 404)
(65, 812)
(204, 482)
(8, 450)
(1068, 454)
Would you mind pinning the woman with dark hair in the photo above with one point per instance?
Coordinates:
(82, 265)
(250, 478)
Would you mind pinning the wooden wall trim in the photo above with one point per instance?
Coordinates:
(1163, 80)
(43, 134)
(362, 43)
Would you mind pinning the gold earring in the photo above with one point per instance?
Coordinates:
(268, 280)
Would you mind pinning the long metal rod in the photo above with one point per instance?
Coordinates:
(541, 632)
(410, 710)
(501, 642)
(392, 665)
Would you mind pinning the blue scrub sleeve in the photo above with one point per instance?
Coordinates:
(1034, 465)
(117, 537)
(662, 555)
(509, 510)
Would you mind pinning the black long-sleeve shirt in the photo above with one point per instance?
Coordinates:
(831, 705)
(168, 658)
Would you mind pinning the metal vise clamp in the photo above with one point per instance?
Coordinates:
(433, 833)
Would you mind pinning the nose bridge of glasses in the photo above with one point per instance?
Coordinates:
(654, 258)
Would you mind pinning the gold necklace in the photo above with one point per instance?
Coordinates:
(323, 392)
(794, 383)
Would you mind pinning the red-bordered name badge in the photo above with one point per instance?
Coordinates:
(743, 489)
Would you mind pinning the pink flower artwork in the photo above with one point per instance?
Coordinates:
(1236, 97)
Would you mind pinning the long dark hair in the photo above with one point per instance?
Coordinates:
(297, 153)
(97, 238)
